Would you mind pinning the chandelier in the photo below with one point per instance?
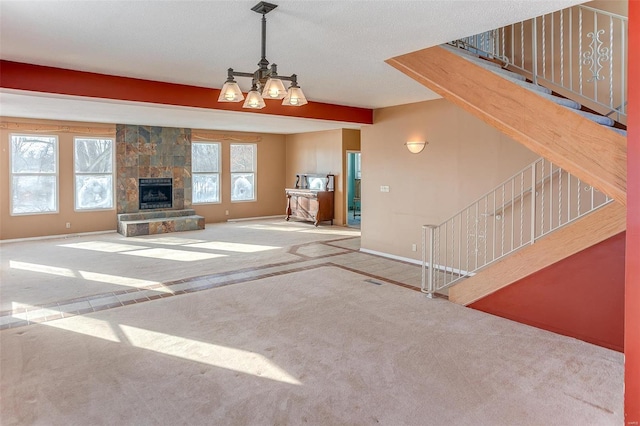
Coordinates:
(265, 81)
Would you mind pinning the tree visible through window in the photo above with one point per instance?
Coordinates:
(34, 174)
(93, 166)
(243, 169)
(205, 161)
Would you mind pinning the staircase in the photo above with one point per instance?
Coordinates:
(584, 156)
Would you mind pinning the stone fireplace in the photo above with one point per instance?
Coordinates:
(149, 152)
(153, 189)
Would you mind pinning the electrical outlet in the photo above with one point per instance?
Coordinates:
(414, 247)
(384, 188)
(68, 225)
(226, 212)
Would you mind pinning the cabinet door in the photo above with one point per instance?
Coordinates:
(314, 206)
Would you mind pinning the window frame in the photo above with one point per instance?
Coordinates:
(56, 174)
(113, 175)
(253, 172)
(218, 173)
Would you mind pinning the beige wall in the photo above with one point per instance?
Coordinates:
(465, 158)
(270, 181)
(271, 200)
(317, 152)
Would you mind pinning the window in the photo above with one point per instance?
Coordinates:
(93, 167)
(205, 160)
(243, 171)
(34, 174)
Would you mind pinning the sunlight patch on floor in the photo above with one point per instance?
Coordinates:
(87, 275)
(165, 240)
(44, 269)
(86, 325)
(170, 254)
(103, 246)
(235, 247)
(207, 353)
(116, 279)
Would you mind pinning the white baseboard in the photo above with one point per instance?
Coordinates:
(53, 237)
(417, 262)
(245, 219)
(391, 256)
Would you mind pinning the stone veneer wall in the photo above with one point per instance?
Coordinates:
(147, 151)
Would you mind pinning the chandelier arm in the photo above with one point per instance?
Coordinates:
(243, 74)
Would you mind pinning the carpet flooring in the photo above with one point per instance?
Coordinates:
(309, 331)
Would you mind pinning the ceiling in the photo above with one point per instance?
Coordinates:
(337, 49)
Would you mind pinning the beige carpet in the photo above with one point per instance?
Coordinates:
(291, 325)
(320, 346)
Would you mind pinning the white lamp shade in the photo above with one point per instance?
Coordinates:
(415, 147)
(274, 89)
(254, 100)
(294, 97)
(230, 92)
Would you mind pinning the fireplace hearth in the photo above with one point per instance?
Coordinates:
(155, 193)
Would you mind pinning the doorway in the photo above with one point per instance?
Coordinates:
(354, 189)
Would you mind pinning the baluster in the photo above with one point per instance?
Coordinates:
(521, 209)
(553, 58)
(571, 49)
(611, 101)
(544, 47)
(513, 219)
(580, 48)
(562, 48)
(522, 45)
(596, 54)
(542, 213)
(533, 202)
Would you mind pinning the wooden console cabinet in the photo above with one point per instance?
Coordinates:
(311, 204)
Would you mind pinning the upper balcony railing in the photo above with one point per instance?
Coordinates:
(579, 52)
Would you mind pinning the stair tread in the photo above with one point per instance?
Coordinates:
(620, 131)
(605, 121)
(561, 101)
(526, 84)
(470, 55)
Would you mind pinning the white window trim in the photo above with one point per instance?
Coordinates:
(56, 174)
(254, 172)
(113, 175)
(219, 173)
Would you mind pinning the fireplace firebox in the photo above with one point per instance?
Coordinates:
(155, 193)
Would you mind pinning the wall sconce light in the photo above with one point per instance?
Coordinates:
(415, 147)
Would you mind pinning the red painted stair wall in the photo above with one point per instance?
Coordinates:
(581, 296)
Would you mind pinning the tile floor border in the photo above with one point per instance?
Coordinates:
(37, 314)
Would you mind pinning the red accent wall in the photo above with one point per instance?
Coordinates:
(632, 289)
(37, 78)
(581, 296)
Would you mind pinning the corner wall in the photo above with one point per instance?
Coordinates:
(464, 159)
(317, 152)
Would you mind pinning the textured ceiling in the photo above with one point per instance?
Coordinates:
(337, 48)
